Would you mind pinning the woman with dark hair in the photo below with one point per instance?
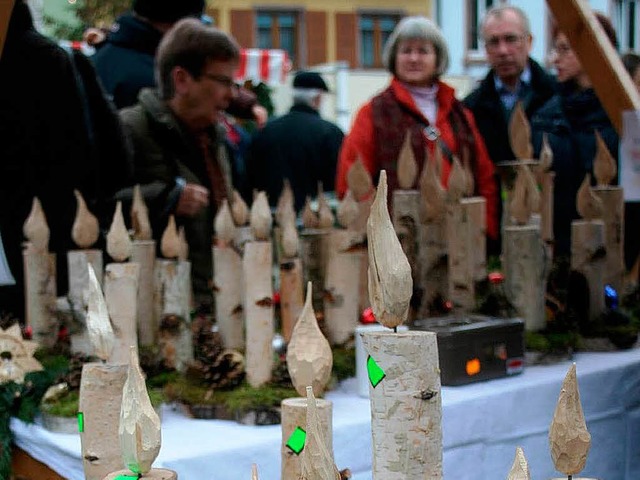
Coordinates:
(418, 102)
(570, 119)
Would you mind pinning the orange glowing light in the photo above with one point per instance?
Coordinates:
(473, 367)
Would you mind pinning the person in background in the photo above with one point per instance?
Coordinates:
(418, 102)
(570, 119)
(179, 158)
(514, 76)
(299, 146)
(631, 62)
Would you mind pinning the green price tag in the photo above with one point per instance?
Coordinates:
(80, 422)
(376, 374)
(296, 440)
(126, 477)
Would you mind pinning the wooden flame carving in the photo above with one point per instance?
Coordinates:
(85, 229)
(604, 165)
(520, 133)
(546, 155)
(316, 462)
(239, 209)
(432, 192)
(568, 436)
(290, 240)
(458, 183)
(99, 327)
(118, 242)
(347, 210)
(359, 180)
(325, 216)
(526, 198)
(223, 224)
(261, 220)
(520, 468)
(309, 217)
(183, 250)
(20, 361)
(407, 165)
(35, 228)
(588, 203)
(390, 283)
(170, 241)
(139, 430)
(140, 216)
(285, 205)
(309, 356)
(254, 472)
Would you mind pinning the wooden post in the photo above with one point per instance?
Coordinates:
(40, 295)
(121, 295)
(77, 261)
(587, 238)
(291, 272)
(313, 252)
(154, 474)
(6, 7)
(461, 259)
(144, 254)
(613, 204)
(475, 209)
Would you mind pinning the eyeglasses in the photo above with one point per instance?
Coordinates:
(510, 40)
(221, 79)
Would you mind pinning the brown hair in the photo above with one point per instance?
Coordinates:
(604, 22)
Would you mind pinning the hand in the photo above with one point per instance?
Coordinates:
(192, 200)
(260, 115)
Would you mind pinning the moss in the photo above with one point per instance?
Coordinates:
(344, 363)
(552, 341)
(64, 406)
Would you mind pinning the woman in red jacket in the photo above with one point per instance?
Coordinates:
(417, 101)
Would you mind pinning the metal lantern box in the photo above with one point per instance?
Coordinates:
(473, 348)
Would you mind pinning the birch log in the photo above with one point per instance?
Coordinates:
(461, 259)
(406, 411)
(121, 295)
(291, 294)
(588, 238)
(154, 474)
(228, 289)
(144, 254)
(314, 245)
(100, 400)
(40, 295)
(294, 415)
(475, 209)
(613, 206)
(77, 261)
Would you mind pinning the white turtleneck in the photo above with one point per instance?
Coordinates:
(425, 98)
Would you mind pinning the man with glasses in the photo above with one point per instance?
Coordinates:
(513, 76)
(177, 138)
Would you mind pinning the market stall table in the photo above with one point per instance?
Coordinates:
(482, 424)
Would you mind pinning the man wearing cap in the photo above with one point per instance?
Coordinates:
(299, 146)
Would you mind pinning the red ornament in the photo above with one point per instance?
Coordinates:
(367, 316)
(496, 278)
(448, 305)
(63, 333)
(27, 333)
(276, 298)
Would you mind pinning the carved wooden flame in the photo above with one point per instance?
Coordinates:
(520, 467)
(261, 220)
(183, 252)
(390, 283)
(432, 193)
(139, 430)
(458, 183)
(526, 198)
(546, 154)
(520, 133)
(604, 165)
(316, 462)
(285, 205)
(568, 436)
(140, 216)
(325, 215)
(309, 356)
(35, 228)
(223, 224)
(309, 217)
(170, 241)
(239, 209)
(290, 241)
(118, 242)
(588, 203)
(407, 165)
(359, 180)
(347, 210)
(254, 472)
(99, 327)
(85, 229)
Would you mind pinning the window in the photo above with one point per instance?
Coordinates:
(475, 13)
(626, 19)
(279, 30)
(374, 30)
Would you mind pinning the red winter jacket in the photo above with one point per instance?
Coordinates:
(361, 141)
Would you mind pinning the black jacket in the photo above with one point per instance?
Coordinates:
(300, 146)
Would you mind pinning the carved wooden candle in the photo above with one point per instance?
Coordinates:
(520, 468)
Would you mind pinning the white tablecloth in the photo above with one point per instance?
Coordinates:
(483, 423)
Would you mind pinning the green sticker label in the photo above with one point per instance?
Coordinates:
(296, 440)
(80, 422)
(126, 477)
(376, 374)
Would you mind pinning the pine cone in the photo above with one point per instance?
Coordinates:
(222, 370)
(74, 374)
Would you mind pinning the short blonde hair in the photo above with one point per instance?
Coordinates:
(417, 28)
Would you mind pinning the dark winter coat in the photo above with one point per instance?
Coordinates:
(300, 146)
(570, 119)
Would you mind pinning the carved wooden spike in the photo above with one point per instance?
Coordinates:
(99, 327)
(239, 209)
(309, 217)
(223, 224)
(139, 423)
(316, 461)
(261, 217)
(568, 436)
(140, 216)
(457, 181)
(309, 355)
(285, 202)
(407, 165)
(604, 165)
(526, 198)
(546, 154)
(118, 241)
(390, 283)
(254, 472)
(325, 216)
(588, 204)
(520, 133)
(170, 242)
(359, 180)
(85, 229)
(290, 240)
(35, 228)
(432, 192)
(520, 467)
(347, 210)
(183, 252)
(21, 352)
